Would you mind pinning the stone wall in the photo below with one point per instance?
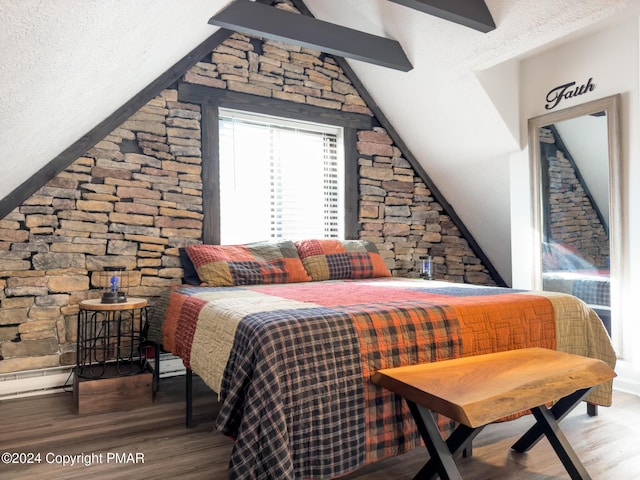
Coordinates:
(398, 213)
(131, 200)
(573, 220)
(136, 197)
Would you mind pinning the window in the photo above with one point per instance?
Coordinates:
(279, 178)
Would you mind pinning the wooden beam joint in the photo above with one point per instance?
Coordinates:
(470, 13)
(268, 22)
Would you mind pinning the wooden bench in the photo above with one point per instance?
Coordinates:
(475, 391)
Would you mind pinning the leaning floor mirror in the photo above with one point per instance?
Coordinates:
(575, 172)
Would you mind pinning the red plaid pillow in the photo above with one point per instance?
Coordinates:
(251, 264)
(328, 259)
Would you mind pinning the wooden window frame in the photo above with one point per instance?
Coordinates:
(212, 99)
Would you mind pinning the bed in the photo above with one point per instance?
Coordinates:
(591, 286)
(565, 271)
(290, 353)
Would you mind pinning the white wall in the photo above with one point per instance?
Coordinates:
(587, 141)
(611, 58)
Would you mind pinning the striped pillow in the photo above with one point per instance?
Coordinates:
(327, 259)
(250, 264)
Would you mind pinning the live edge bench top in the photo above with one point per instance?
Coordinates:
(480, 389)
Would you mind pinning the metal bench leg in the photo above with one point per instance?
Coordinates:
(560, 410)
(560, 444)
(459, 441)
(441, 452)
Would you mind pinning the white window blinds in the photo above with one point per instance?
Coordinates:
(279, 179)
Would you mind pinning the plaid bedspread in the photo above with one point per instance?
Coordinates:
(292, 362)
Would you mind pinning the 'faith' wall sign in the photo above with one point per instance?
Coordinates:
(566, 91)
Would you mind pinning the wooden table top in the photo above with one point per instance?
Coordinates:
(130, 304)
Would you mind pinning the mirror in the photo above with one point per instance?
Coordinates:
(575, 162)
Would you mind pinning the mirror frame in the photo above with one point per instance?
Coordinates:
(610, 105)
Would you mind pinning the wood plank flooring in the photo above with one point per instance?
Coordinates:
(608, 444)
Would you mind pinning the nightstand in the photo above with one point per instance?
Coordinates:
(112, 369)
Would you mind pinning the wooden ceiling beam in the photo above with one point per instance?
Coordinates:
(268, 22)
(470, 13)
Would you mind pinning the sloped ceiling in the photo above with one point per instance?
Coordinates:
(68, 64)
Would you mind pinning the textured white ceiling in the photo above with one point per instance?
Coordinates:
(68, 64)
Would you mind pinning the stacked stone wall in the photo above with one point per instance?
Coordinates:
(573, 220)
(112, 206)
(137, 196)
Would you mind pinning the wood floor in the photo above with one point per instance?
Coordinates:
(46, 425)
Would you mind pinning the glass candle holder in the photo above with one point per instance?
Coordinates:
(426, 267)
(113, 283)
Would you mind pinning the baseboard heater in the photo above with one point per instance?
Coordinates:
(43, 381)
